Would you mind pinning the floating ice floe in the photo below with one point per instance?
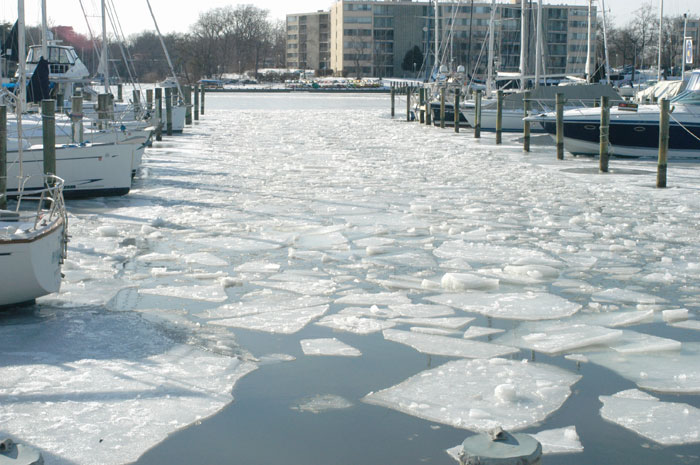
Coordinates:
(204, 258)
(667, 371)
(435, 344)
(380, 298)
(354, 324)
(271, 359)
(202, 293)
(328, 346)
(626, 296)
(481, 394)
(467, 281)
(675, 315)
(485, 253)
(438, 331)
(515, 306)
(558, 337)
(80, 386)
(285, 320)
(322, 403)
(264, 304)
(421, 310)
(258, 267)
(667, 423)
(478, 331)
(688, 324)
(454, 322)
(618, 318)
(636, 343)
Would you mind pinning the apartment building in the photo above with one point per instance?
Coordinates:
(308, 45)
(372, 37)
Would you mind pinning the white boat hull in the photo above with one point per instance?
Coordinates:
(93, 170)
(30, 268)
(511, 121)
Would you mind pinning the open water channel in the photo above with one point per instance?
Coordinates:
(301, 279)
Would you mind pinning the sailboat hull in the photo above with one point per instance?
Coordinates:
(89, 171)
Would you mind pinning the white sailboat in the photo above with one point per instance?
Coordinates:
(32, 240)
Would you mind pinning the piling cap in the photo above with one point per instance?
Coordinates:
(499, 447)
(18, 454)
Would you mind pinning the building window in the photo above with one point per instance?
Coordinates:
(358, 19)
(383, 22)
(356, 7)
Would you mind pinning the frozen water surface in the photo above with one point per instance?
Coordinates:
(275, 212)
(437, 344)
(481, 394)
(663, 422)
(328, 346)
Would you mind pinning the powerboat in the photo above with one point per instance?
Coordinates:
(634, 129)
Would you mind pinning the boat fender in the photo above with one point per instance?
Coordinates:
(123, 128)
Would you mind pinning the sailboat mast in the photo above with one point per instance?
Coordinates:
(605, 45)
(165, 50)
(538, 45)
(489, 78)
(44, 32)
(437, 38)
(105, 52)
(590, 42)
(661, 23)
(523, 43)
(22, 70)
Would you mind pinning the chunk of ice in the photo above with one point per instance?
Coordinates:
(285, 321)
(447, 346)
(559, 441)
(515, 306)
(478, 331)
(322, 403)
(354, 324)
(203, 293)
(381, 298)
(559, 337)
(455, 322)
(328, 346)
(675, 315)
(667, 423)
(462, 394)
(421, 310)
(667, 371)
(688, 324)
(467, 281)
(617, 295)
(485, 253)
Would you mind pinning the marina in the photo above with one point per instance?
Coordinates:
(180, 325)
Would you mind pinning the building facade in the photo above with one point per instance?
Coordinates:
(372, 37)
(308, 45)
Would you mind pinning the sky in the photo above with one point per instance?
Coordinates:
(135, 18)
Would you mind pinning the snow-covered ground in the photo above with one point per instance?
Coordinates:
(278, 212)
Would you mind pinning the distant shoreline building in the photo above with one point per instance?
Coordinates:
(370, 38)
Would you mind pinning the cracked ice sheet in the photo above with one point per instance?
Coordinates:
(559, 337)
(354, 324)
(554, 441)
(456, 322)
(626, 296)
(328, 346)
(436, 344)
(513, 306)
(490, 254)
(667, 423)
(380, 298)
(79, 386)
(285, 321)
(669, 371)
(481, 394)
(204, 293)
(263, 304)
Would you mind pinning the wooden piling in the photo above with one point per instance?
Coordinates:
(201, 110)
(196, 102)
(59, 102)
(120, 91)
(663, 143)
(393, 101)
(604, 133)
(409, 90)
(136, 97)
(442, 108)
(499, 117)
(103, 110)
(149, 99)
(477, 115)
(76, 118)
(48, 127)
(428, 108)
(456, 110)
(559, 103)
(168, 111)
(159, 114)
(3, 157)
(526, 124)
(188, 104)
(421, 105)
